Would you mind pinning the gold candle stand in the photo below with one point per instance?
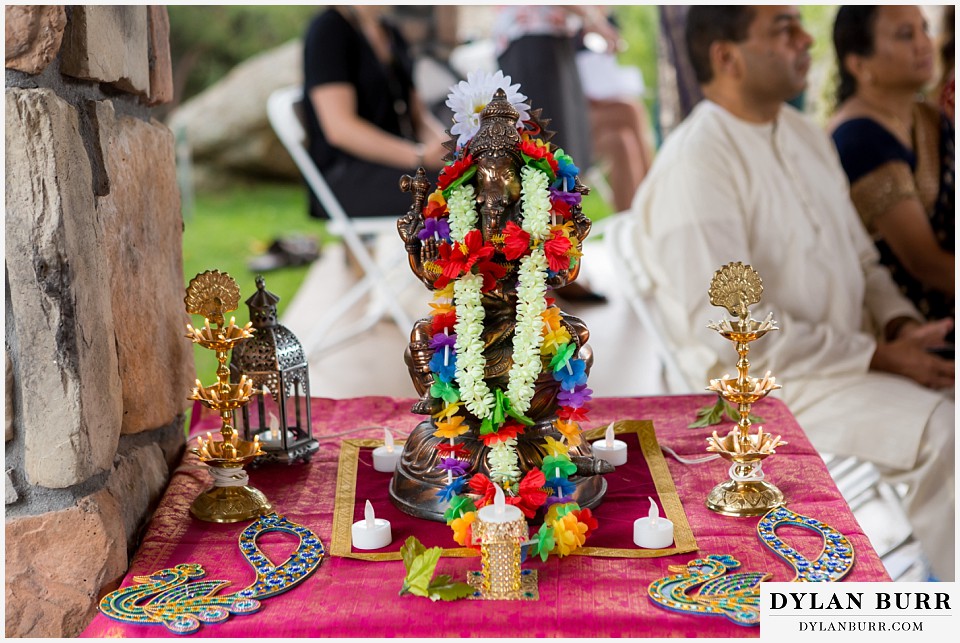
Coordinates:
(500, 577)
(231, 499)
(736, 287)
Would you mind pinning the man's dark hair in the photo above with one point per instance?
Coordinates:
(853, 31)
(707, 24)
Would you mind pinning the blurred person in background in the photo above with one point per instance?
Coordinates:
(619, 123)
(747, 177)
(897, 148)
(366, 125)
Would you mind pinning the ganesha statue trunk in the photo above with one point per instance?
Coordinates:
(500, 370)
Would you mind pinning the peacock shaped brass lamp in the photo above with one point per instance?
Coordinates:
(736, 287)
(231, 499)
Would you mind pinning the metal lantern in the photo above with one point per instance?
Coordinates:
(275, 362)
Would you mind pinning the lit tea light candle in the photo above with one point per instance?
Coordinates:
(609, 449)
(385, 458)
(272, 436)
(499, 511)
(371, 532)
(652, 532)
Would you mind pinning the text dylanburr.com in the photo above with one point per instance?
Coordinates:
(858, 611)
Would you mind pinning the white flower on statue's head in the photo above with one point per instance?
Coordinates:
(468, 98)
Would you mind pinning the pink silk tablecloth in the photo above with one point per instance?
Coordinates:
(580, 596)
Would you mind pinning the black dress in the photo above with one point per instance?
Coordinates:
(336, 52)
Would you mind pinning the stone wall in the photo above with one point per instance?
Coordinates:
(97, 369)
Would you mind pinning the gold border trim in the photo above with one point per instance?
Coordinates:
(684, 541)
(340, 539)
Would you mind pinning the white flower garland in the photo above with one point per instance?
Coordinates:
(531, 303)
(474, 391)
(531, 291)
(463, 212)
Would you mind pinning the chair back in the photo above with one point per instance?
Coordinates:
(638, 288)
(286, 115)
(285, 112)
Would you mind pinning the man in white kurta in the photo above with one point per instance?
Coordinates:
(767, 189)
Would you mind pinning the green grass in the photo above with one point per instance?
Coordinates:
(228, 228)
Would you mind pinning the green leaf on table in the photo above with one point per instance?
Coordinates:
(420, 572)
(442, 588)
(410, 550)
(713, 414)
(421, 563)
(710, 414)
(733, 413)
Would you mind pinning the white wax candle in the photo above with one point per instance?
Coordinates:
(371, 532)
(652, 532)
(385, 458)
(499, 511)
(609, 449)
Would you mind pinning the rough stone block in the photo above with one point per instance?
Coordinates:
(33, 34)
(56, 564)
(137, 482)
(226, 124)
(161, 67)
(145, 255)
(60, 295)
(108, 44)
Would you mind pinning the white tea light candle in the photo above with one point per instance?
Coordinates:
(652, 532)
(371, 532)
(385, 458)
(609, 449)
(499, 511)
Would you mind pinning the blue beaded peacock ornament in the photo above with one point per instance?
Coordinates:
(737, 596)
(177, 598)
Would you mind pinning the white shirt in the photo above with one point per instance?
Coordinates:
(775, 196)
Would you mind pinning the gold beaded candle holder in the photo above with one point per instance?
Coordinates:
(500, 529)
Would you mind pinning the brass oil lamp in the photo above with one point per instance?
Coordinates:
(735, 287)
(231, 499)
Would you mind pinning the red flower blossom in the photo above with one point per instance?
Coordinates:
(474, 249)
(452, 450)
(434, 209)
(445, 320)
(556, 251)
(573, 415)
(491, 272)
(452, 172)
(531, 493)
(483, 487)
(561, 208)
(509, 429)
(516, 242)
(452, 262)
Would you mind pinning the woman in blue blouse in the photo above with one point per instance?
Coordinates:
(897, 149)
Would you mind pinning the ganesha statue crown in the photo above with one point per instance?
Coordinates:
(500, 370)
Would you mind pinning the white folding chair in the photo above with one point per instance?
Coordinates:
(285, 112)
(637, 288)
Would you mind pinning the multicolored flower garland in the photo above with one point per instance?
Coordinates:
(465, 270)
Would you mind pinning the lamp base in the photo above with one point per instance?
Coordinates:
(230, 504)
(752, 498)
(529, 591)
